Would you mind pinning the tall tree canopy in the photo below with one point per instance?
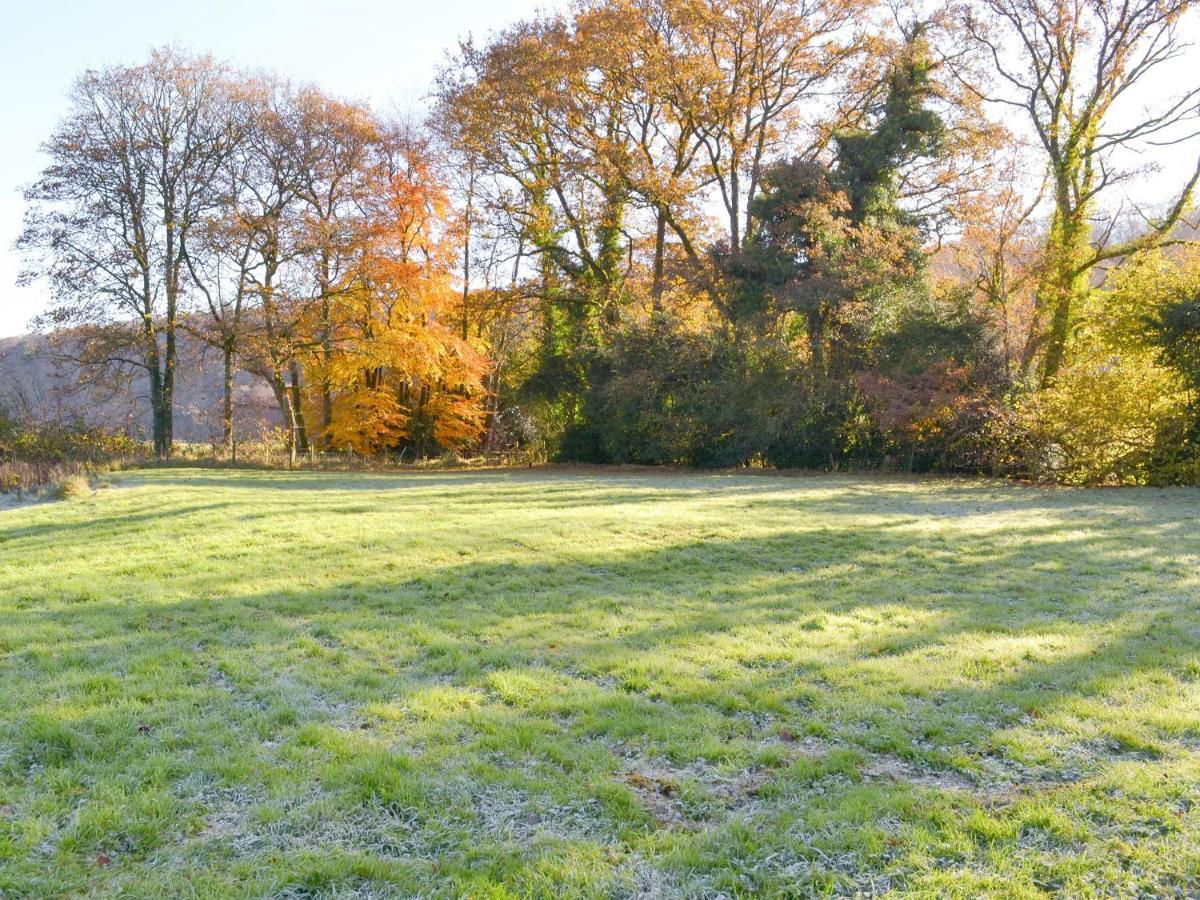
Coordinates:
(784, 232)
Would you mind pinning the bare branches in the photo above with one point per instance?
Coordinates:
(1084, 57)
(133, 169)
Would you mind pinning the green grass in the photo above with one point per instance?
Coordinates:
(560, 684)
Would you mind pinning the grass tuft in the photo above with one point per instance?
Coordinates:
(73, 487)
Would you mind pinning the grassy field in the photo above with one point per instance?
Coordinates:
(569, 684)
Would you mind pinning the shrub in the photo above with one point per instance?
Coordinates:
(20, 477)
(73, 487)
(54, 443)
(656, 397)
(1120, 411)
(36, 454)
(1103, 419)
(11, 480)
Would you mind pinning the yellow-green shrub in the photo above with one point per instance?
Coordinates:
(73, 487)
(1103, 419)
(1115, 412)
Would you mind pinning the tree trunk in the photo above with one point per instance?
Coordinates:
(171, 287)
(326, 345)
(327, 359)
(466, 261)
(301, 430)
(735, 213)
(292, 417)
(227, 411)
(168, 394)
(155, 373)
(660, 243)
(1063, 285)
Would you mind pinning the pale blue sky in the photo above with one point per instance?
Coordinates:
(384, 52)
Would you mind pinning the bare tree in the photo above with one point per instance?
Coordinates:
(335, 142)
(221, 261)
(765, 64)
(1065, 65)
(266, 212)
(294, 236)
(132, 171)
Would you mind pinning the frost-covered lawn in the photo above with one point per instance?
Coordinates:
(559, 684)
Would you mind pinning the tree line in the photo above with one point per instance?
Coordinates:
(301, 236)
(800, 233)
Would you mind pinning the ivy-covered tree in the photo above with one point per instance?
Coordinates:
(830, 237)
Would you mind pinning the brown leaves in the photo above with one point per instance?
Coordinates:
(917, 405)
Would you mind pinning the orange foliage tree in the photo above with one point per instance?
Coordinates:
(399, 374)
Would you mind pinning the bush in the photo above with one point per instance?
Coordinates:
(1120, 411)
(56, 443)
(11, 479)
(653, 400)
(663, 395)
(36, 454)
(20, 477)
(1104, 419)
(73, 487)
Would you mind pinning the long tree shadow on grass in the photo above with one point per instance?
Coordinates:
(877, 495)
(522, 674)
(110, 523)
(792, 603)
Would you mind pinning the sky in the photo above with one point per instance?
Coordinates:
(382, 51)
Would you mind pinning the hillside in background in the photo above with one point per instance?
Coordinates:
(38, 379)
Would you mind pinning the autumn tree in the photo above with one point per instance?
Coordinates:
(134, 169)
(533, 112)
(997, 252)
(262, 218)
(221, 257)
(606, 136)
(399, 374)
(831, 236)
(1066, 66)
(336, 146)
(767, 74)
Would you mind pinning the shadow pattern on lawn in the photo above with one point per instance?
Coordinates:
(853, 702)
